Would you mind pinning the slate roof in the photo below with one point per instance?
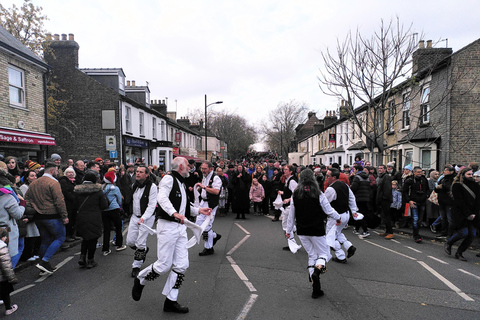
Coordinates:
(11, 43)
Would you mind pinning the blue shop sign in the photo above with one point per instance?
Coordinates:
(136, 143)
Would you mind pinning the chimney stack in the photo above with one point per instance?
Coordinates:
(133, 83)
(64, 37)
(128, 83)
(429, 44)
(63, 53)
(71, 37)
(56, 37)
(421, 44)
(49, 36)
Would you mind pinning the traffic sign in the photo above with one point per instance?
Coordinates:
(113, 154)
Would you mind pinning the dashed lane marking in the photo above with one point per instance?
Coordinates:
(393, 251)
(413, 249)
(446, 282)
(438, 260)
(470, 274)
(58, 266)
(22, 289)
(247, 307)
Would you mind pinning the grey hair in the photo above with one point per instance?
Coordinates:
(177, 162)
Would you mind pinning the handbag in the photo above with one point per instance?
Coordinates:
(433, 197)
(407, 212)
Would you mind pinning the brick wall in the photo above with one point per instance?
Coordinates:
(34, 114)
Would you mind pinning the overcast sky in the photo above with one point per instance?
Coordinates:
(252, 55)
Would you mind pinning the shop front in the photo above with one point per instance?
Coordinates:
(135, 148)
(25, 145)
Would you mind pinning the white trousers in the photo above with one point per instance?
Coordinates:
(317, 250)
(137, 236)
(172, 255)
(340, 237)
(200, 218)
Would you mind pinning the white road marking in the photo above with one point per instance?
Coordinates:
(22, 289)
(241, 275)
(243, 229)
(396, 241)
(471, 274)
(446, 282)
(401, 254)
(58, 266)
(238, 244)
(247, 307)
(413, 249)
(436, 259)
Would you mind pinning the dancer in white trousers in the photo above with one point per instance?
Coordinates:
(209, 190)
(172, 252)
(143, 211)
(342, 199)
(308, 208)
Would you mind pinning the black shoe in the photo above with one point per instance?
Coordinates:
(206, 252)
(238, 217)
(317, 288)
(287, 248)
(45, 267)
(91, 264)
(82, 262)
(351, 251)
(174, 306)
(338, 260)
(460, 257)
(447, 248)
(135, 272)
(218, 237)
(137, 289)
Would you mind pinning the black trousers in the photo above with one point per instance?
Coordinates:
(107, 218)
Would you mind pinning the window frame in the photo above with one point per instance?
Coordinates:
(141, 124)
(21, 89)
(425, 106)
(406, 111)
(128, 119)
(154, 128)
(391, 116)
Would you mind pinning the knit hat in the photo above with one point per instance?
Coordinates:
(391, 164)
(55, 156)
(408, 167)
(98, 159)
(33, 165)
(110, 177)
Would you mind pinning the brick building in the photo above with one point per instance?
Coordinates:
(22, 101)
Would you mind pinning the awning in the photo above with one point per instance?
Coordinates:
(26, 137)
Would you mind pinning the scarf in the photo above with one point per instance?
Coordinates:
(177, 175)
(140, 185)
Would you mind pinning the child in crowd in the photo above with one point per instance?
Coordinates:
(7, 277)
(257, 193)
(396, 205)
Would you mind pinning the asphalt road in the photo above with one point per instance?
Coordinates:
(251, 277)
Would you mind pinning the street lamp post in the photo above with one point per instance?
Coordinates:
(207, 105)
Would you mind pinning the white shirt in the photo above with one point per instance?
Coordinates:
(216, 184)
(152, 202)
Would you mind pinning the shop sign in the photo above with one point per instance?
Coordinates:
(136, 142)
(26, 138)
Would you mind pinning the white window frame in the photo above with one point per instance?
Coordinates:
(391, 116)
(154, 128)
(20, 88)
(425, 106)
(141, 123)
(406, 111)
(128, 119)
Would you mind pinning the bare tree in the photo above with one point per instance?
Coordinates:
(279, 129)
(235, 131)
(26, 24)
(363, 71)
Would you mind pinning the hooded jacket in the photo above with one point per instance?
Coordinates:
(89, 203)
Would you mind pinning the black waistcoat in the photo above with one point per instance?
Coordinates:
(309, 216)
(175, 198)
(341, 203)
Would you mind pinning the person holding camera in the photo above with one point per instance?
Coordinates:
(415, 193)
